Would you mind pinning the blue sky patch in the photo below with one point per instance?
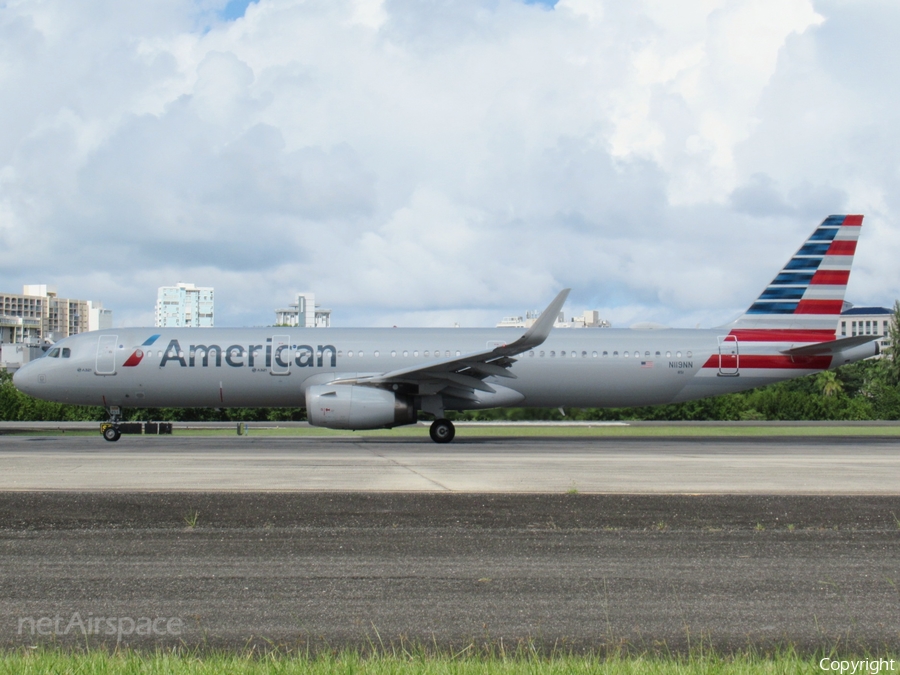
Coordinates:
(235, 9)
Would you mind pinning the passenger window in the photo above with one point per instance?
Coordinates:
(349, 353)
(447, 353)
(376, 353)
(562, 354)
(617, 353)
(689, 354)
(658, 354)
(340, 353)
(646, 353)
(542, 354)
(575, 354)
(457, 352)
(415, 353)
(677, 355)
(360, 353)
(552, 354)
(668, 355)
(531, 353)
(625, 354)
(584, 354)
(393, 353)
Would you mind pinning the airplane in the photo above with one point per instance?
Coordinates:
(370, 378)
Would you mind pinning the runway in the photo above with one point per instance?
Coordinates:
(665, 465)
(581, 543)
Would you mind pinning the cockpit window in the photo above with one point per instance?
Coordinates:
(66, 352)
(53, 353)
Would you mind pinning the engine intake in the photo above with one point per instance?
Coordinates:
(348, 406)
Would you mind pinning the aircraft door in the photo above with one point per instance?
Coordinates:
(106, 355)
(729, 356)
(281, 355)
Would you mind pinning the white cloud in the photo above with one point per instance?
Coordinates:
(430, 162)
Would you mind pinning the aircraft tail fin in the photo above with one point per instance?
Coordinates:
(808, 293)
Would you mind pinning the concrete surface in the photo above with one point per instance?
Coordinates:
(755, 465)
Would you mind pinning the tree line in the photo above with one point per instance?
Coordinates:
(866, 390)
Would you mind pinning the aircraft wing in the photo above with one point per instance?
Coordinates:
(469, 370)
(830, 347)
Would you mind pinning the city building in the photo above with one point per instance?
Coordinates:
(14, 356)
(39, 315)
(98, 317)
(185, 306)
(305, 313)
(590, 319)
(866, 321)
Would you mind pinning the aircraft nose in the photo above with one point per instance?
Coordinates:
(26, 379)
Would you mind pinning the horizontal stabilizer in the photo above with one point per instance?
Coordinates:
(830, 347)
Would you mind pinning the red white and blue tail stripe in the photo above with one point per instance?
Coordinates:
(800, 307)
(807, 295)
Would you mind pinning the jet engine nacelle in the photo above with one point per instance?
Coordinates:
(348, 406)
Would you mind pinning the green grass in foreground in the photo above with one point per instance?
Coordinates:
(350, 662)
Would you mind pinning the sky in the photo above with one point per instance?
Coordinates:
(432, 162)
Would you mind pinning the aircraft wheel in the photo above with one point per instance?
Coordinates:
(112, 434)
(442, 431)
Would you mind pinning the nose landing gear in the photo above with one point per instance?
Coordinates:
(110, 430)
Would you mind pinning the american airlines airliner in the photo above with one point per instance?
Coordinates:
(370, 378)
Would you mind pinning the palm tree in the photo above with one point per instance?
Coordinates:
(829, 383)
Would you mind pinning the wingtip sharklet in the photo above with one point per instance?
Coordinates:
(541, 328)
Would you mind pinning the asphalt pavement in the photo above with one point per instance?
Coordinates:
(573, 571)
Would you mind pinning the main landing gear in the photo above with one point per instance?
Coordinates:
(442, 431)
(110, 430)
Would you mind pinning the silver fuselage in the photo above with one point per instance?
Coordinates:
(269, 367)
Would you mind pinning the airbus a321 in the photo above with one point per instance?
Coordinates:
(369, 378)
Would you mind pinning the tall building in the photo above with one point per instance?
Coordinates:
(98, 317)
(184, 306)
(305, 313)
(39, 314)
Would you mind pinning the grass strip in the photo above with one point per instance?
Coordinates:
(526, 431)
(349, 662)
